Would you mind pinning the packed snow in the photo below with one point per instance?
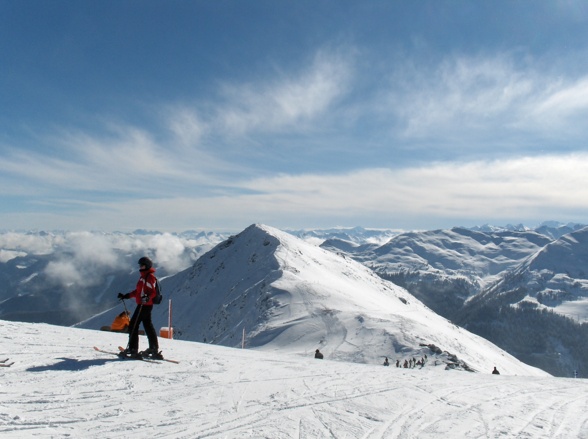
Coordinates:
(59, 387)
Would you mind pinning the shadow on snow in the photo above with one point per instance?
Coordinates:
(71, 364)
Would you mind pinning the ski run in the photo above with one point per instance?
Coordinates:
(59, 387)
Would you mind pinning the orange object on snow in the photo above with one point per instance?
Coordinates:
(166, 332)
(121, 322)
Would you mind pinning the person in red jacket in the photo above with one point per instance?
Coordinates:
(143, 294)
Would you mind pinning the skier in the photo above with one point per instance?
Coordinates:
(495, 371)
(386, 363)
(317, 354)
(143, 294)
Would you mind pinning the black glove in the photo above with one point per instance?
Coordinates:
(122, 296)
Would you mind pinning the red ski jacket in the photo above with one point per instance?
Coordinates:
(145, 290)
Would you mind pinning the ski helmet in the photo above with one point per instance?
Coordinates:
(146, 262)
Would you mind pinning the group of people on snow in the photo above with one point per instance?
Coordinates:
(411, 363)
(408, 364)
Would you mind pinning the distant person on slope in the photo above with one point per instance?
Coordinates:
(386, 363)
(143, 294)
(317, 354)
(495, 371)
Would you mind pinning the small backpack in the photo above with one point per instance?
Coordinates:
(158, 297)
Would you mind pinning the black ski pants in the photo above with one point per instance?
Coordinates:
(142, 314)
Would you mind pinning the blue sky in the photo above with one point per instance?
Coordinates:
(176, 115)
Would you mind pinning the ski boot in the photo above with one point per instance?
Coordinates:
(152, 353)
(129, 353)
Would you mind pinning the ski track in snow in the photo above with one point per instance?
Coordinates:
(60, 387)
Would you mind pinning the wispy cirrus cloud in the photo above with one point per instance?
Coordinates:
(562, 108)
(196, 159)
(289, 101)
(482, 100)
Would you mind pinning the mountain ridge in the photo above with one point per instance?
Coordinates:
(291, 296)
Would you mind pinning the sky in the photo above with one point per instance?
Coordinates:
(172, 116)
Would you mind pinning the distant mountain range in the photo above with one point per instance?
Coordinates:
(444, 268)
(523, 289)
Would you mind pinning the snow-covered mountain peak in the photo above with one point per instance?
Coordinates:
(290, 296)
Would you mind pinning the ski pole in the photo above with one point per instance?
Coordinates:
(136, 325)
(125, 305)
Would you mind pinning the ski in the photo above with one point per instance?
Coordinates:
(122, 357)
(5, 364)
(120, 348)
(170, 361)
(4, 361)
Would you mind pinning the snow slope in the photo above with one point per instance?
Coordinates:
(60, 388)
(291, 296)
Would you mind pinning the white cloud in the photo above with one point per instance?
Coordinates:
(562, 108)
(291, 101)
(481, 100)
(67, 273)
(38, 244)
(459, 94)
(515, 188)
(190, 148)
(170, 251)
(125, 160)
(7, 255)
(93, 249)
(186, 125)
(518, 189)
(81, 257)
(86, 163)
(193, 170)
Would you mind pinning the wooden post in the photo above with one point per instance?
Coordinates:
(169, 321)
